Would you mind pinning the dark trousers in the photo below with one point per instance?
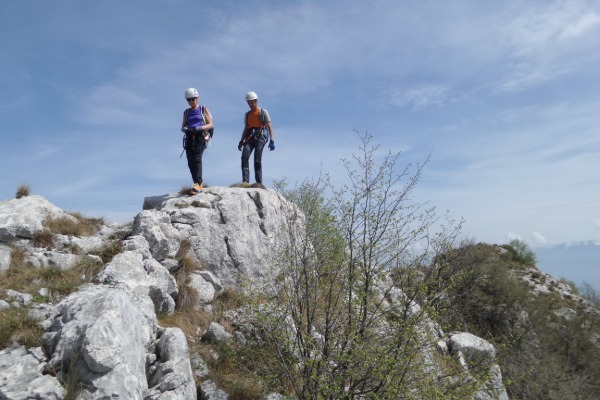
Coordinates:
(257, 146)
(193, 152)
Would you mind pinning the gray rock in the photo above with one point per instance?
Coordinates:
(129, 271)
(43, 314)
(216, 333)
(139, 244)
(209, 391)
(21, 218)
(470, 347)
(206, 290)
(103, 335)
(155, 227)
(21, 298)
(199, 367)
(173, 371)
(5, 257)
(235, 233)
(473, 351)
(21, 376)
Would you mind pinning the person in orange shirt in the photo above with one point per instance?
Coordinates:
(257, 131)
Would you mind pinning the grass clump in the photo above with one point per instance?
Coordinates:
(29, 279)
(188, 297)
(22, 191)
(43, 238)
(244, 185)
(79, 226)
(17, 325)
(108, 251)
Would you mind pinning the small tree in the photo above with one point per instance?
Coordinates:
(350, 316)
(522, 252)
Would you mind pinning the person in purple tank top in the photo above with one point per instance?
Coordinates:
(197, 122)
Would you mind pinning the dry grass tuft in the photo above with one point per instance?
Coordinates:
(16, 325)
(240, 185)
(82, 226)
(29, 279)
(108, 251)
(188, 297)
(193, 323)
(22, 191)
(43, 238)
(185, 190)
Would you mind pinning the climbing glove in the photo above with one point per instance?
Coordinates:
(271, 145)
(240, 145)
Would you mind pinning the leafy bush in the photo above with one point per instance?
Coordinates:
(320, 336)
(521, 252)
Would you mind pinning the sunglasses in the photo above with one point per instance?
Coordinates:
(192, 99)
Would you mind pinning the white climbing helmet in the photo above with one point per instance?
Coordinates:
(191, 93)
(251, 96)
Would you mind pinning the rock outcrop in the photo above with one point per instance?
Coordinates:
(106, 336)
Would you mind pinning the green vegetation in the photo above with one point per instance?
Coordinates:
(25, 278)
(321, 335)
(543, 355)
(16, 325)
(521, 252)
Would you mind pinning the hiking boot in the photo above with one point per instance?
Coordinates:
(197, 188)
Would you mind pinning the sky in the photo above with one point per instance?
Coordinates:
(504, 96)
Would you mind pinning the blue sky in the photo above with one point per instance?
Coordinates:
(504, 95)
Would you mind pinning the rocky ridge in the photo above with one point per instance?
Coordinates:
(106, 335)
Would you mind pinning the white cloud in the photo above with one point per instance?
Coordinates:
(419, 97)
(580, 26)
(513, 236)
(539, 239)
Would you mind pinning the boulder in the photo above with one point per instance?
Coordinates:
(21, 218)
(235, 233)
(102, 336)
(5, 257)
(21, 376)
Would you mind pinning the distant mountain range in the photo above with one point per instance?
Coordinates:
(576, 261)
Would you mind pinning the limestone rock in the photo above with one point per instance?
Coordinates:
(103, 335)
(21, 376)
(21, 218)
(235, 233)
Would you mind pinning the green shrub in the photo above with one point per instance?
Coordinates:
(521, 252)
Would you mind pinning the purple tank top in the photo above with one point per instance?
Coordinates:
(194, 117)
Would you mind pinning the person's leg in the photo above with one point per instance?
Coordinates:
(247, 150)
(191, 157)
(198, 163)
(258, 150)
(194, 158)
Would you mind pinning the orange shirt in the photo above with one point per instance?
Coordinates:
(254, 119)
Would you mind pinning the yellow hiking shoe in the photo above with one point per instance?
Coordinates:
(197, 188)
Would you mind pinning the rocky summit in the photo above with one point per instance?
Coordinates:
(107, 332)
(109, 336)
